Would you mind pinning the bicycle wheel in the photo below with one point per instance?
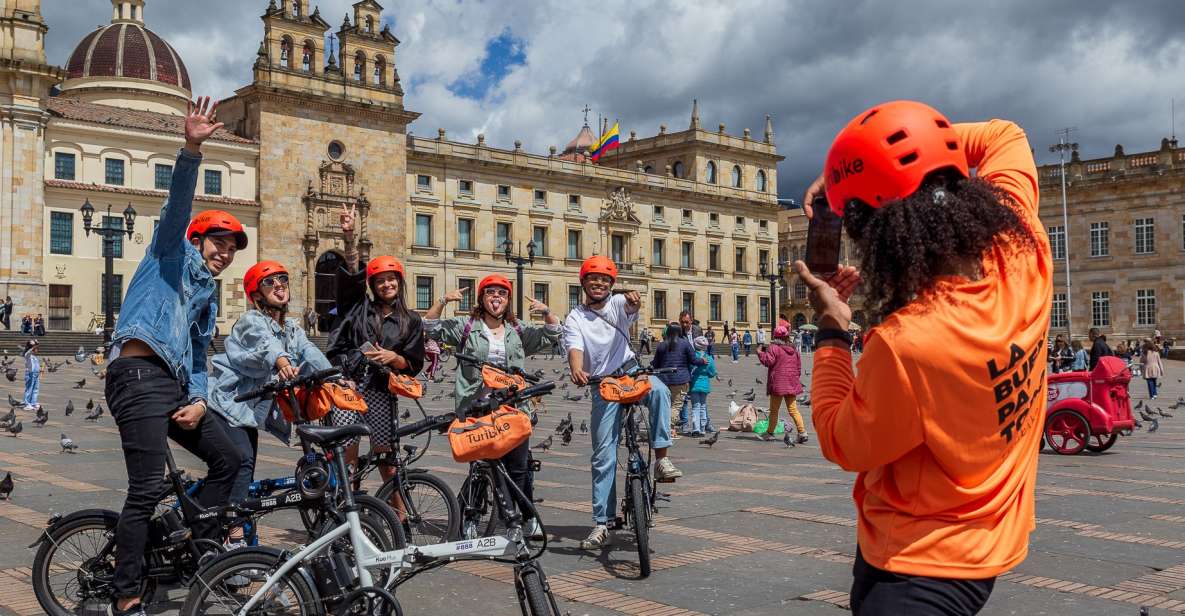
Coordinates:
(74, 568)
(436, 515)
(533, 593)
(446, 353)
(640, 520)
(236, 576)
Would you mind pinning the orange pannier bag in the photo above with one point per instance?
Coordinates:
(404, 385)
(489, 437)
(324, 398)
(624, 389)
(496, 379)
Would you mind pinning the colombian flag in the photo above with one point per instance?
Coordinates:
(608, 142)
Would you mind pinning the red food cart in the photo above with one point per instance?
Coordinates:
(1088, 410)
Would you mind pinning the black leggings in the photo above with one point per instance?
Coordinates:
(143, 395)
(518, 466)
(876, 592)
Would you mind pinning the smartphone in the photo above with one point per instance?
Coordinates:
(367, 347)
(620, 291)
(823, 238)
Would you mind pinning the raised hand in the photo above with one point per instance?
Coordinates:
(829, 298)
(812, 191)
(348, 216)
(455, 295)
(534, 305)
(200, 122)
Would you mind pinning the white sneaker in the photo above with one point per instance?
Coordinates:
(235, 545)
(598, 538)
(29, 407)
(470, 530)
(665, 469)
(533, 529)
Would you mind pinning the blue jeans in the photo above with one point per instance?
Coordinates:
(32, 388)
(1151, 387)
(736, 351)
(606, 432)
(699, 411)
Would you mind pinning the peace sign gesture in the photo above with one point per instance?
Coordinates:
(348, 216)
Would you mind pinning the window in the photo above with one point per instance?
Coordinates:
(686, 217)
(63, 165)
(710, 175)
(763, 257)
(114, 287)
(470, 286)
(574, 292)
(539, 236)
(306, 57)
(213, 182)
(574, 251)
(504, 192)
(217, 292)
(763, 309)
(1100, 239)
(714, 307)
(61, 233)
(465, 234)
(424, 182)
(1057, 242)
(736, 176)
(359, 65)
(648, 169)
(714, 219)
(763, 226)
(114, 168)
(502, 235)
(685, 252)
(573, 202)
(541, 292)
(742, 309)
(465, 187)
(369, 23)
(296, 8)
(689, 302)
(658, 252)
(423, 230)
(380, 71)
(740, 260)
(713, 258)
(740, 224)
(1100, 309)
(163, 175)
(761, 184)
(617, 248)
(115, 222)
(799, 289)
(424, 294)
(1145, 307)
(660, 305)
(677, 169)
(658, 213)
(1145, 236)
(540, 197)
(286, 52)
(1057, 319)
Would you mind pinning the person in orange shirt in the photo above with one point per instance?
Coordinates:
(943, 421)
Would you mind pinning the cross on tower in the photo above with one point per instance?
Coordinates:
(586, 110)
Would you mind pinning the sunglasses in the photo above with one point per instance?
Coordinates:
(498, 291)
(272, 281)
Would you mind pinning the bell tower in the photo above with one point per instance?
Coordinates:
(25, 80)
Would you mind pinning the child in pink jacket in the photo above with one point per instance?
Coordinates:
(783, 381)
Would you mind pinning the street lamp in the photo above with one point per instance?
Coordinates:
(108, 233)
(773, 279)
(519, 261)
(1061, 147)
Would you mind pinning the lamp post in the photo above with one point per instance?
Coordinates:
(519, 261)
(1061, 147)
(108, 233)
(773, 279)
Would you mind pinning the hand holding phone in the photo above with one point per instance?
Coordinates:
(823, 238)
(367, 347)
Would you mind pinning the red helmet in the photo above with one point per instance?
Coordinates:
(494, 280)
(217, 222)
(598, 264)
(382, 264)
(887, 151)
(258, 272)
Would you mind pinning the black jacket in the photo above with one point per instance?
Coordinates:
(359, 321)
(1099, 349)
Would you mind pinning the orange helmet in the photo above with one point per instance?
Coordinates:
(886, 152)
(598, 264)
(382, 264)
(217, 222)
(494, 280)
(258, 272)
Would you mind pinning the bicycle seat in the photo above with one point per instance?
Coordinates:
(330, 436)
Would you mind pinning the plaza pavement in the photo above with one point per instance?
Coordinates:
(753, 528)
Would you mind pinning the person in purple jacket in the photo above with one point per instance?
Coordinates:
(675, 352)
(783, 382)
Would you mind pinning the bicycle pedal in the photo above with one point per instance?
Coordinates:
(670, 480)
(178, 536)
(666, 498)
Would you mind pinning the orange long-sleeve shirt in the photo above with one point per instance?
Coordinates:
(944, 419)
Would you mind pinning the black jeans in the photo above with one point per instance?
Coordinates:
(876, 592)
(143, 395)
(518, 466)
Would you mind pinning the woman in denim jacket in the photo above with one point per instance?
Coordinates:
(492, 333)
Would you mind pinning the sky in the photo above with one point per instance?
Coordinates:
(525, 69)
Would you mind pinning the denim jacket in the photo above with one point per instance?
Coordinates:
(254, 345)
(170, 301)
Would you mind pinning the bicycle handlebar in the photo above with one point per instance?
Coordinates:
(437, 422)
(511, 396)
(527, 376)
(592, 380)
(316, 377)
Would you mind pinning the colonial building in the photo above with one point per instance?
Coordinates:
(688, 215)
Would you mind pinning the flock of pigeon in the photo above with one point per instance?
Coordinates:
(1146, 413)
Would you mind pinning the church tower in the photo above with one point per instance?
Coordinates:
(25, 80)
(327, 109)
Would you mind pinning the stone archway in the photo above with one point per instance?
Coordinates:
(799, 320)
(325, 288)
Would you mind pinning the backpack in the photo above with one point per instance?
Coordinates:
(743, 417)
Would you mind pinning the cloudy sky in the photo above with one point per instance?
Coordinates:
(516, 69)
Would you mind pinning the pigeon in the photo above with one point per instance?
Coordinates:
(1146, 416)
(42, 417)
(749, 397)
(545, 445)
(68, 444)
(759, 380)
(1139, 405)
(564, 423)
(1155, 426)
(1179, 403)
(786, 439)
(95, 414)
(574, 398)
(16, 429)
(90, 404)
(10, 374)
(711, 440)
(1160, 411)
(437, 396)
(80, 384)
(750, 392)
(13, 401)
(9, 418)
(405, 414)
(6, 486)
(566, 437)
(97, 372)
(69, 407)
(730, 381)
(583, 427)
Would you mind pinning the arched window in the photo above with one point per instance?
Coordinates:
(677, 169)
(648, 169)
(286, 52)
(710, 176)
(359, 65)
(306, 56)
(380, 71)
(799, 320)
(761, 180)
(369, 23)
(736, 176)
(296, 8)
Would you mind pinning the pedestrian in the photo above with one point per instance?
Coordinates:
(675, 352)
(1081, 357)
(157, 385)
(6, 308)
(962, 311)
(32, 375)
(644, 341)
(310, 321)
(263, 344)
(27, 325)
(1098, 346)
(38, 325)
(691, 331)
(734, 345)
(1061, 357)
(783, 382)
(702, 373)
(1122, 352)
(747, 340)
(760, 337)
(1153, 366)
(432, 356)
(710, 334)
(492, 333)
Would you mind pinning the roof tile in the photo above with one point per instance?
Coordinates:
(72, 109)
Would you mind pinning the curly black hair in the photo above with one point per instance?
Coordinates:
(905, 244)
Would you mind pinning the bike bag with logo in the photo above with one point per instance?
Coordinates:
(494, 378)
(318, 403)
(489, 437)
(404, 385)
(624, 389)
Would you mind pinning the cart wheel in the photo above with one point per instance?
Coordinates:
(1102, 442)
(1067, 432)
